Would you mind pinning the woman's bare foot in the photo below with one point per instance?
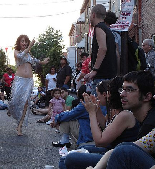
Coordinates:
(8, 113)
(19, 131)
(41, 121)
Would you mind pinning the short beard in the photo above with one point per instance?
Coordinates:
(62, 64)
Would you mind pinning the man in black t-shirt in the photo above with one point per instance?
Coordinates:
(103, 58)
(64, 74)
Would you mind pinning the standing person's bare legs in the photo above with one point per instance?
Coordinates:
(19, 128)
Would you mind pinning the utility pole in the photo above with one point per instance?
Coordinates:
(109, 5)
(124, 52)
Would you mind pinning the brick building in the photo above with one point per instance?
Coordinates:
(143, 26)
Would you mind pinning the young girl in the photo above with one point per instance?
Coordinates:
(56, 105)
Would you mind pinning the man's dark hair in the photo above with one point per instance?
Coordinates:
(80, 92)
(63, 58)
(143, 79)
(84, 54)
(66, 90)
(110, 18)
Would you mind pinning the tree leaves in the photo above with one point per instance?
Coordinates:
(49, 44)
(2, 62)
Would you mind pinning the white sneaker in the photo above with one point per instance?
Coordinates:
(57, 131)
(49, 122)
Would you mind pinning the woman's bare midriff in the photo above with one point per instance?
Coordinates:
(25, 71)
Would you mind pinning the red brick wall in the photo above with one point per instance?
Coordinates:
(148, 18)
(133, 30)
(145, 12)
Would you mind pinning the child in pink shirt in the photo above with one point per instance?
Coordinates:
(56, 105)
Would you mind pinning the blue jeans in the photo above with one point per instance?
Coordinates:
(79, 160)
(62, 163)
(82, 160)
(130, 156)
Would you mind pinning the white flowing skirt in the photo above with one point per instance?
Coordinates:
(20, 94)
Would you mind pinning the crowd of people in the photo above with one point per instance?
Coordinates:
(112, 116)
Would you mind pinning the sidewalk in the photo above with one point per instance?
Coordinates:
(33, 150)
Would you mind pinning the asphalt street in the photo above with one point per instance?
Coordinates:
(33, 150)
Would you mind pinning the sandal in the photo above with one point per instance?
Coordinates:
(33, 111)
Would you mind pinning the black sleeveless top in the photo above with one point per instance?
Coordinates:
(128, 135)
(108, 68)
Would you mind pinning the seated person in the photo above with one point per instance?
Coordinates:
(100, 88)
(68, 98)
(141, 102)
(68, 105)
(75, 122)
(123, 127)
(40, 96)
(56, 106)
(137, 155)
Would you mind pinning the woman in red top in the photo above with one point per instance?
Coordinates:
(7, 79)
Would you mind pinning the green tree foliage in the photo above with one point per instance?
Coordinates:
(49, 44)
(14, 68)
(2, 63)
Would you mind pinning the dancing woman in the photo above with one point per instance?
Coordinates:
(23, 82)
